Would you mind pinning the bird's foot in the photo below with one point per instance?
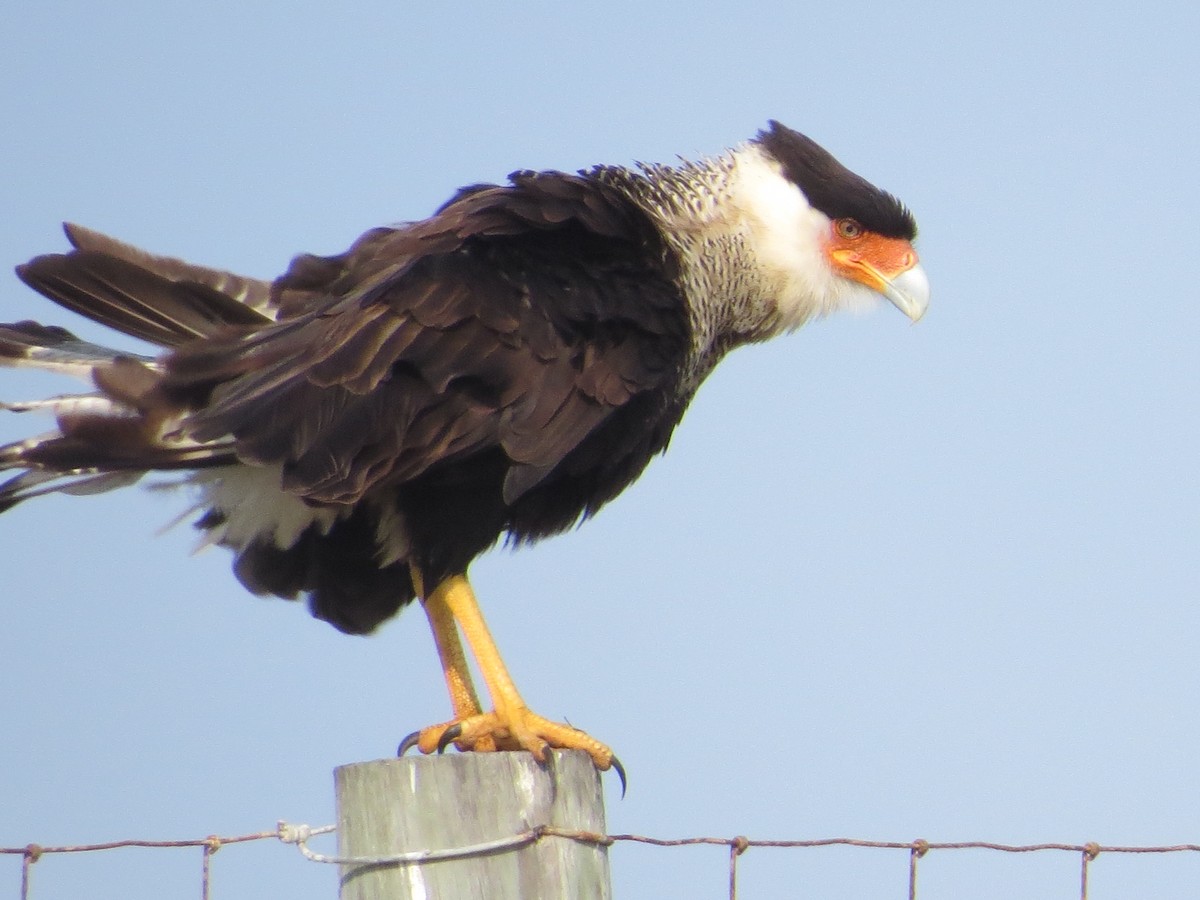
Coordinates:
(512, 729)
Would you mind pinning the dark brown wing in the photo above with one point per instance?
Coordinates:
(518, 317)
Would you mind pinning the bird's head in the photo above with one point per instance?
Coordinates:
(832, 238)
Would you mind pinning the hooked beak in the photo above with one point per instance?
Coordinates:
(888, 266)
(908, 291)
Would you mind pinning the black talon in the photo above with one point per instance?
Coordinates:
(449, 736)
(616, 764)
(408, 743)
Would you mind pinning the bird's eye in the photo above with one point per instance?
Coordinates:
(848, 228)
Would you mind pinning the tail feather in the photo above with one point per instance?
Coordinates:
(91, 452)
(92, 444)
(111, 437)
(135, 300)
(138, 418)
(254, 293)
(37, 483)
(32, 345)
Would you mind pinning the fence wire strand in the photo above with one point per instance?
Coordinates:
(299, 835)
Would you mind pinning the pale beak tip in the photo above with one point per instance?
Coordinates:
(909, 292)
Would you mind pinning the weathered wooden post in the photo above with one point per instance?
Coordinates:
(433, 803)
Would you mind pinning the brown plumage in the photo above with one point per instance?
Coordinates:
(361, 428)
(455, 362)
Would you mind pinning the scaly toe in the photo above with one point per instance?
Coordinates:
(513, 729)
(536, 734)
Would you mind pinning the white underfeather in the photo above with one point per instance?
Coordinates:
(256, 507)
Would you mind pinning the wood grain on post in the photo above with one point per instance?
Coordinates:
(410, 804)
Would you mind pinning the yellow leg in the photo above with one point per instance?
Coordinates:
(463, 698)
(510, 725)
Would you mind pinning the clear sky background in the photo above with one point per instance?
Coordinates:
(889, 582)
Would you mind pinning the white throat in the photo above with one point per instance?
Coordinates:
(751, 248)
(786, 240)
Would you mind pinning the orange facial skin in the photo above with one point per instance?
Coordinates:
(866, 257)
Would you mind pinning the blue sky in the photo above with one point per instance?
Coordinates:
(888, 582)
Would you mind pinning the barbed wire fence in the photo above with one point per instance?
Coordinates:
(736, 847)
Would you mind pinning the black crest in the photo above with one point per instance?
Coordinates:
(834, 189)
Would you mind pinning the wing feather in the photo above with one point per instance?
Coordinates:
(518, 318)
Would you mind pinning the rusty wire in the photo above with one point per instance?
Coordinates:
(916, 849)
(737, 847)
(31, 853)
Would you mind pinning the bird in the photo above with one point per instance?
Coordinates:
(359, 429)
